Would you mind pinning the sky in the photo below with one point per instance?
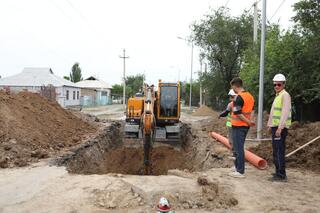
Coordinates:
(58, 33)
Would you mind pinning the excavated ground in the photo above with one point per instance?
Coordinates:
(109, 152)
(199, 184)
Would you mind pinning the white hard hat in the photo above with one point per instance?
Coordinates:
(232, 93)
(164, 205)
(279, 77)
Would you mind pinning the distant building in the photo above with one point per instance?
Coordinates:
(94, 92)
(39, 80)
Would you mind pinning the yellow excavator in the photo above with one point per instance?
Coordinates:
(154, 117)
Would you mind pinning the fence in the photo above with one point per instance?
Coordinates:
(90, 101)
(49, 92)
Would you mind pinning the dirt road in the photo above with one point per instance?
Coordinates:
(111, 112)
(51, 189)
(44, 187)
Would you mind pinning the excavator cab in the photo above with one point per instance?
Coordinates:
(168, 112)
(169, 106)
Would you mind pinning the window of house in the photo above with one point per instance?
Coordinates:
(67, 95)
(74, 95)
(78, 95)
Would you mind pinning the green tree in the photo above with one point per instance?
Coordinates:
(294, 53)
(117, 90)
(134, 84)
(66, 77)
(223, 40)
(308, 15)
(75, 74)
(195, 93)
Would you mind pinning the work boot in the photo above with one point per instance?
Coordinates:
(274, 174)
(277, 178)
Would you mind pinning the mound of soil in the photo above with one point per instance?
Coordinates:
(306, 158)
(203, 111)
(32, 127)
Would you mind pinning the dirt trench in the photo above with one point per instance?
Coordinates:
(109, 152)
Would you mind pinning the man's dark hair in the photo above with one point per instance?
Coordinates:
(236, 82)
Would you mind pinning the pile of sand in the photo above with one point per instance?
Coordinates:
(306, 158)
(32, 127)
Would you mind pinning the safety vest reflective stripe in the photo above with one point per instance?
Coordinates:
(236, 119)
(228, 123)
(278, 117)
(277, 109)
(246, 113)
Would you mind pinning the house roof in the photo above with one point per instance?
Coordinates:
(94, 83)
(34, 76)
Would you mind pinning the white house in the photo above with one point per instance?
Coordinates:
(94, 92)
(32, 79)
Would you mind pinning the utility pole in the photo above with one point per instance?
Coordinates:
(124, 57)
(204, 96)
(255, 22)
(200, 83)
(261, 77)
(144, 79)
(191, 76)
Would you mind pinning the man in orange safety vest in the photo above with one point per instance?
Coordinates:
(241, 121)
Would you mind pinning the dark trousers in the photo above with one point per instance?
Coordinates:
(279, 149)
(239, 134)
(230, 140)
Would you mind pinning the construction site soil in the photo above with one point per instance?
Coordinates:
(32, 127)
(191, 174)
(307, 158)
(109, 152)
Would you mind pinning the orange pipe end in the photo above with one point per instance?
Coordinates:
(252, 158)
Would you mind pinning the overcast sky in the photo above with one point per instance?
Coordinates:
(57, 33)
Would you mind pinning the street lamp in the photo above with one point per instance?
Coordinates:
(191, 68)
(261, 75)
(200, 76)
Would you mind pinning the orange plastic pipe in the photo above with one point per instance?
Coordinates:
(252, 158)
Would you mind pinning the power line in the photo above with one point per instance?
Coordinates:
(226, 3)
(83, 17)
(276, 10)
(61, 10)
(77, 11)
